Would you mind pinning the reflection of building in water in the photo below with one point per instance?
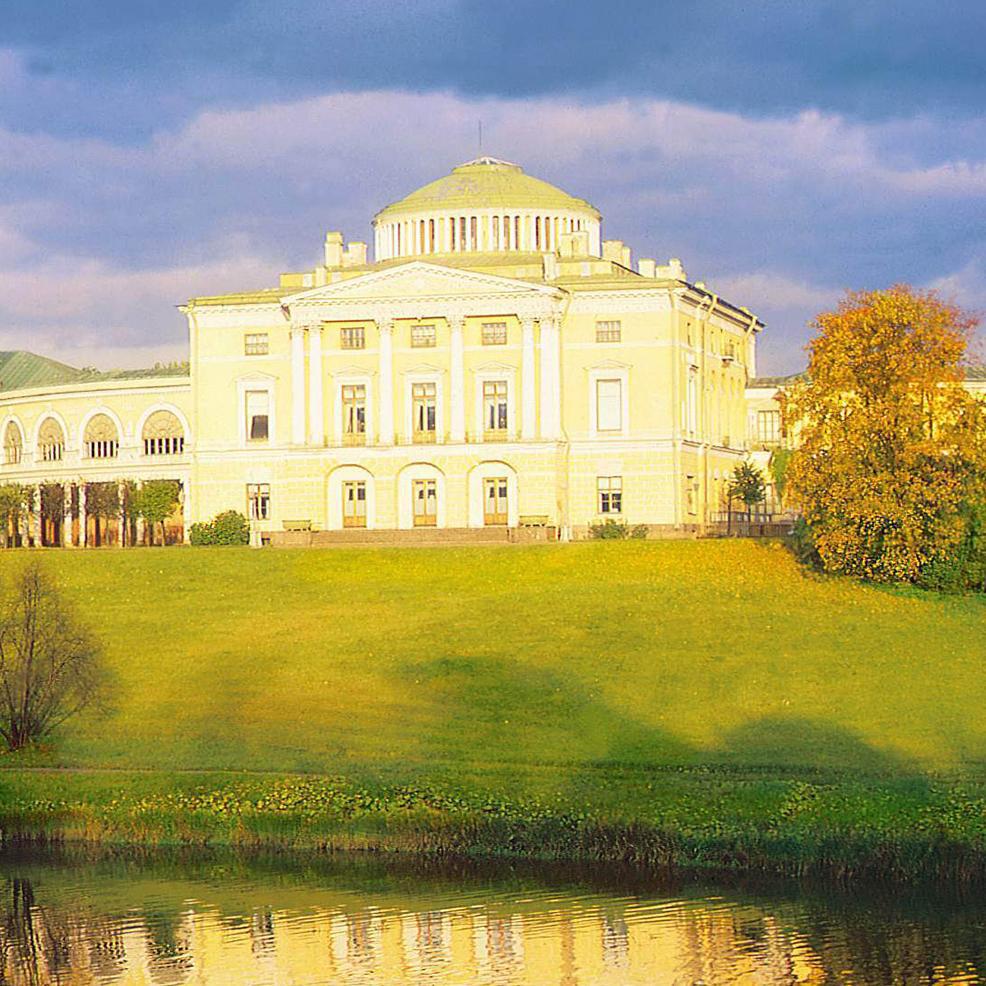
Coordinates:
(559, 942)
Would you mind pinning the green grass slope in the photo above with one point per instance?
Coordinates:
(543, 658)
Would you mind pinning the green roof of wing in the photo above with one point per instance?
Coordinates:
(486, 183)
(20, 370)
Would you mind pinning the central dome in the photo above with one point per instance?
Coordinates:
(486, 183)
(485, 205)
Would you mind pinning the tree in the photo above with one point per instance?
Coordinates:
(50, 666)
(747, 485)
(155, 501)
(102, 505)
(16, 499)
(892, 449)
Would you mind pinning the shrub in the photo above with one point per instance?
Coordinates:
(229, 527)
(965, 567)
(617, 530)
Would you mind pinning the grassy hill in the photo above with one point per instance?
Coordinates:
(592, 673)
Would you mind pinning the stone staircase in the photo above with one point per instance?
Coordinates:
(433, 536)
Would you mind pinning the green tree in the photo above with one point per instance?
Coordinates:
(51, 667)
(16, 500)
(892, 449)
(155, 501)
(747, 485)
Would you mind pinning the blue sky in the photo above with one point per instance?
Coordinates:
(785, 151)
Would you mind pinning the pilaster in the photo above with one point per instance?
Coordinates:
(385, 326)
(528, 410)
(297, 385)
(550, 379)
(316, 410)
(457, 402)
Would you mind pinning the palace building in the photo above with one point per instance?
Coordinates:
(496, 370)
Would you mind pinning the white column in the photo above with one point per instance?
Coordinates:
(386, 416)
(316, 411)
(66, 515)
(550, 379)
(528, 409)
(297, 386)
(457, 401)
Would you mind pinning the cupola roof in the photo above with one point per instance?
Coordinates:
(486, 183)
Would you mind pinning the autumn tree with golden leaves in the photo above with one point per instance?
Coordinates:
(891, 450)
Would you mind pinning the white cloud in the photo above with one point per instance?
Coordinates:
(772, 212)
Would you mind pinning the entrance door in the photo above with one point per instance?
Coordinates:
(354, 504)
(495, 501)
(424, 493)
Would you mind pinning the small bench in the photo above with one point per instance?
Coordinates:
(297, 525)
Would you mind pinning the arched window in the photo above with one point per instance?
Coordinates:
(51, 441)
(102, 440)
(13, 444)
(163, 434)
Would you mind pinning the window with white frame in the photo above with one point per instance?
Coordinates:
(691, 423)
(768, 426)
(354, 414)
(609, 331)
(609, 404)
(256, 344)
(258, 501)
(495, 414)
(422, 336)
(352, 337)
(257, 415)
(424, 411)
(494, 333)
(609, 493)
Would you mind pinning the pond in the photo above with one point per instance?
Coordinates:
(222, 918)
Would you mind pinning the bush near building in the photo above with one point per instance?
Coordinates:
(229, 528)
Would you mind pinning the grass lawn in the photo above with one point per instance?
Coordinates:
(607, 675)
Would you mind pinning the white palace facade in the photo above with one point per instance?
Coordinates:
(496, 370)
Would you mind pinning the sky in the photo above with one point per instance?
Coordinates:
(785, 151)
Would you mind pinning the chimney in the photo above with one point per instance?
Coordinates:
(550, 266)
(616, 252)
(671, 271)
(333, 250)
(354, 255)
(646, 267)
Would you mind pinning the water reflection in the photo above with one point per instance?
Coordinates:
(224, 920)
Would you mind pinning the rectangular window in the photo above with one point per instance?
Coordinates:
(354, 414)
(610, 494)
(768, 427)
(691, 494)
(258, 501)
(256, 344)
(608, 331)
(691, 410)
(422, 336)
(257, 415)
(423, 410)
(609, 405)
(352, 337)
(494, 333)
(495, 409)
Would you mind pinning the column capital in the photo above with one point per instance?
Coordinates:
(456, 320)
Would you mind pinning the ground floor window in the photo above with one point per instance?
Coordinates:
(354, 504)
(609, 491)
(258, 501)
(424, 495)
(495, 501)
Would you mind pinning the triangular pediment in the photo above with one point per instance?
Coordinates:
(420, 281)
(609, 364)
